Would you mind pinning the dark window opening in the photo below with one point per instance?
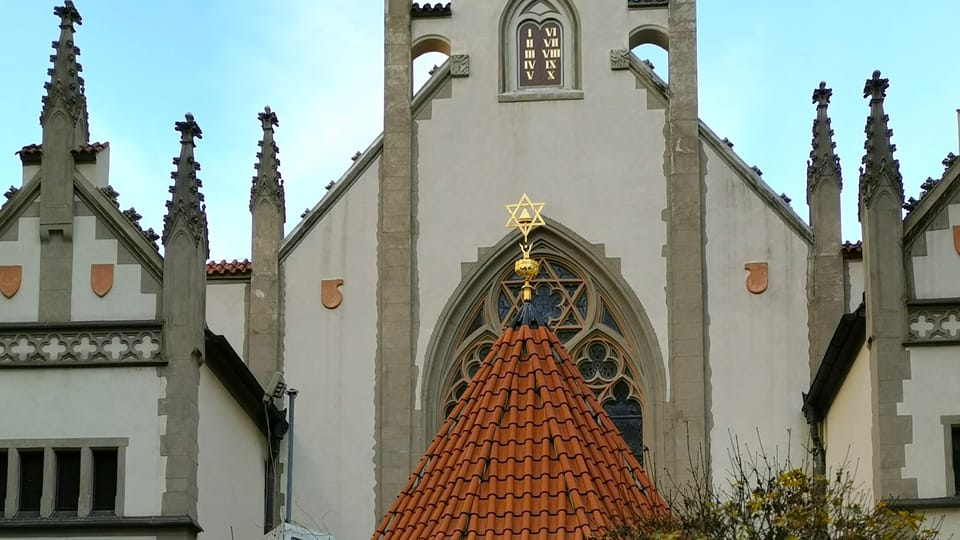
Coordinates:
(627, 415)
(3, 481)
(105, 480)
(68, 480)
(31, 480)
(956, 459)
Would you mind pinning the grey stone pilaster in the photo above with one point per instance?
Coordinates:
(85, 503)
(184, 307)
(267, 208)
(687, 429)
(881, 201)
(396, 266)
(48, 493)
(64, 123)
(825, 291)
(12, 489)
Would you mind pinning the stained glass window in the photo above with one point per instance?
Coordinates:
(592, 332)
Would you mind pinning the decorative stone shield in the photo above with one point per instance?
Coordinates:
(10, 280)
(101, 279)
(956, 238)
(757, 277)
(330, 294)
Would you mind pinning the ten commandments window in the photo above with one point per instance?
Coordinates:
(539, 51)
(540, 54)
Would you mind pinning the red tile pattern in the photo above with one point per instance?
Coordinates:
(225, 268)
(527, 452)
(852, 250)
(86, 152)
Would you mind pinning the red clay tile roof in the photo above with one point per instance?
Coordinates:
(527, 452)
(852, 250)
(233, 268)
(86, 152)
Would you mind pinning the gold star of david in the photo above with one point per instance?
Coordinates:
(525, 216)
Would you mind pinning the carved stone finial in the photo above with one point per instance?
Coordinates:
(268, 118)
(824, 163)
(879, 166)
(875, 87)
(65, 89)
(822, 95)
(268, 183)
(185, 208)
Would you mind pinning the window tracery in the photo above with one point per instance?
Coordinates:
(576, 310)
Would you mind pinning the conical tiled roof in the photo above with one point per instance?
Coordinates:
(527, 452)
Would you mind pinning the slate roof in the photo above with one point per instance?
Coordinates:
(229, 268)
(527, 452)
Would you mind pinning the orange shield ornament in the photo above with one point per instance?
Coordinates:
(101, 279)
(757, 277)
(956, 238)
(10, 280)
(330, 294)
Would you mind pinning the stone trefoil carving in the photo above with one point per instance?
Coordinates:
(934, 323)
(460, 65)
(619, 59)
(80, 347)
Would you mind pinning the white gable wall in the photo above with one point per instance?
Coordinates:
(757, 342)
(329, 357)
(231, 470)
(227, 312)
(848, 426)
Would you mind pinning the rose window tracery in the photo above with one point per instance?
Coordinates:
(581, 317)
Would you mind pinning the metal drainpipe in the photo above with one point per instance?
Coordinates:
(292, 393)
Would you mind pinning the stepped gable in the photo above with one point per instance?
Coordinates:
(526, 452)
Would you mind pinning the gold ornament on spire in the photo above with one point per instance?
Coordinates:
(525, 216)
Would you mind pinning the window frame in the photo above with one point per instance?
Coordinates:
(514, 17)
(48, 500)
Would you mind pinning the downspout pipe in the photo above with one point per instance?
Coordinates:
(292, 393)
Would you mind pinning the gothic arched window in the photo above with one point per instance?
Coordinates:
(583, 319)
(540, 51)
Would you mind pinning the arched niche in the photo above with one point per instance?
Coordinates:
(610, 337)
(539, 47)
(651, 43)
(428, 52)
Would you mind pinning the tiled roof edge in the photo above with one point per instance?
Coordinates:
(353, 173)
(916, 221)
(225, 268)
(437, 9)
(31, 153)
(753, 180)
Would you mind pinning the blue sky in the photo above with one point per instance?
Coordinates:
(318, 65)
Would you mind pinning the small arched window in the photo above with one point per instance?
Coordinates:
(539, 51)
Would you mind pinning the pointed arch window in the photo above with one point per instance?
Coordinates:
(580, 314)
(539, 51)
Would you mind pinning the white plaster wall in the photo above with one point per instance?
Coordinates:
(94, 403)
(950, 524)
(227, 312)
(597, 163)
(935, 275)
(759, 362)
(25, 252)
(855, 279)
(848, 427)
(231, 469)
(124, 301)
(329, 357)
(931, 392)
